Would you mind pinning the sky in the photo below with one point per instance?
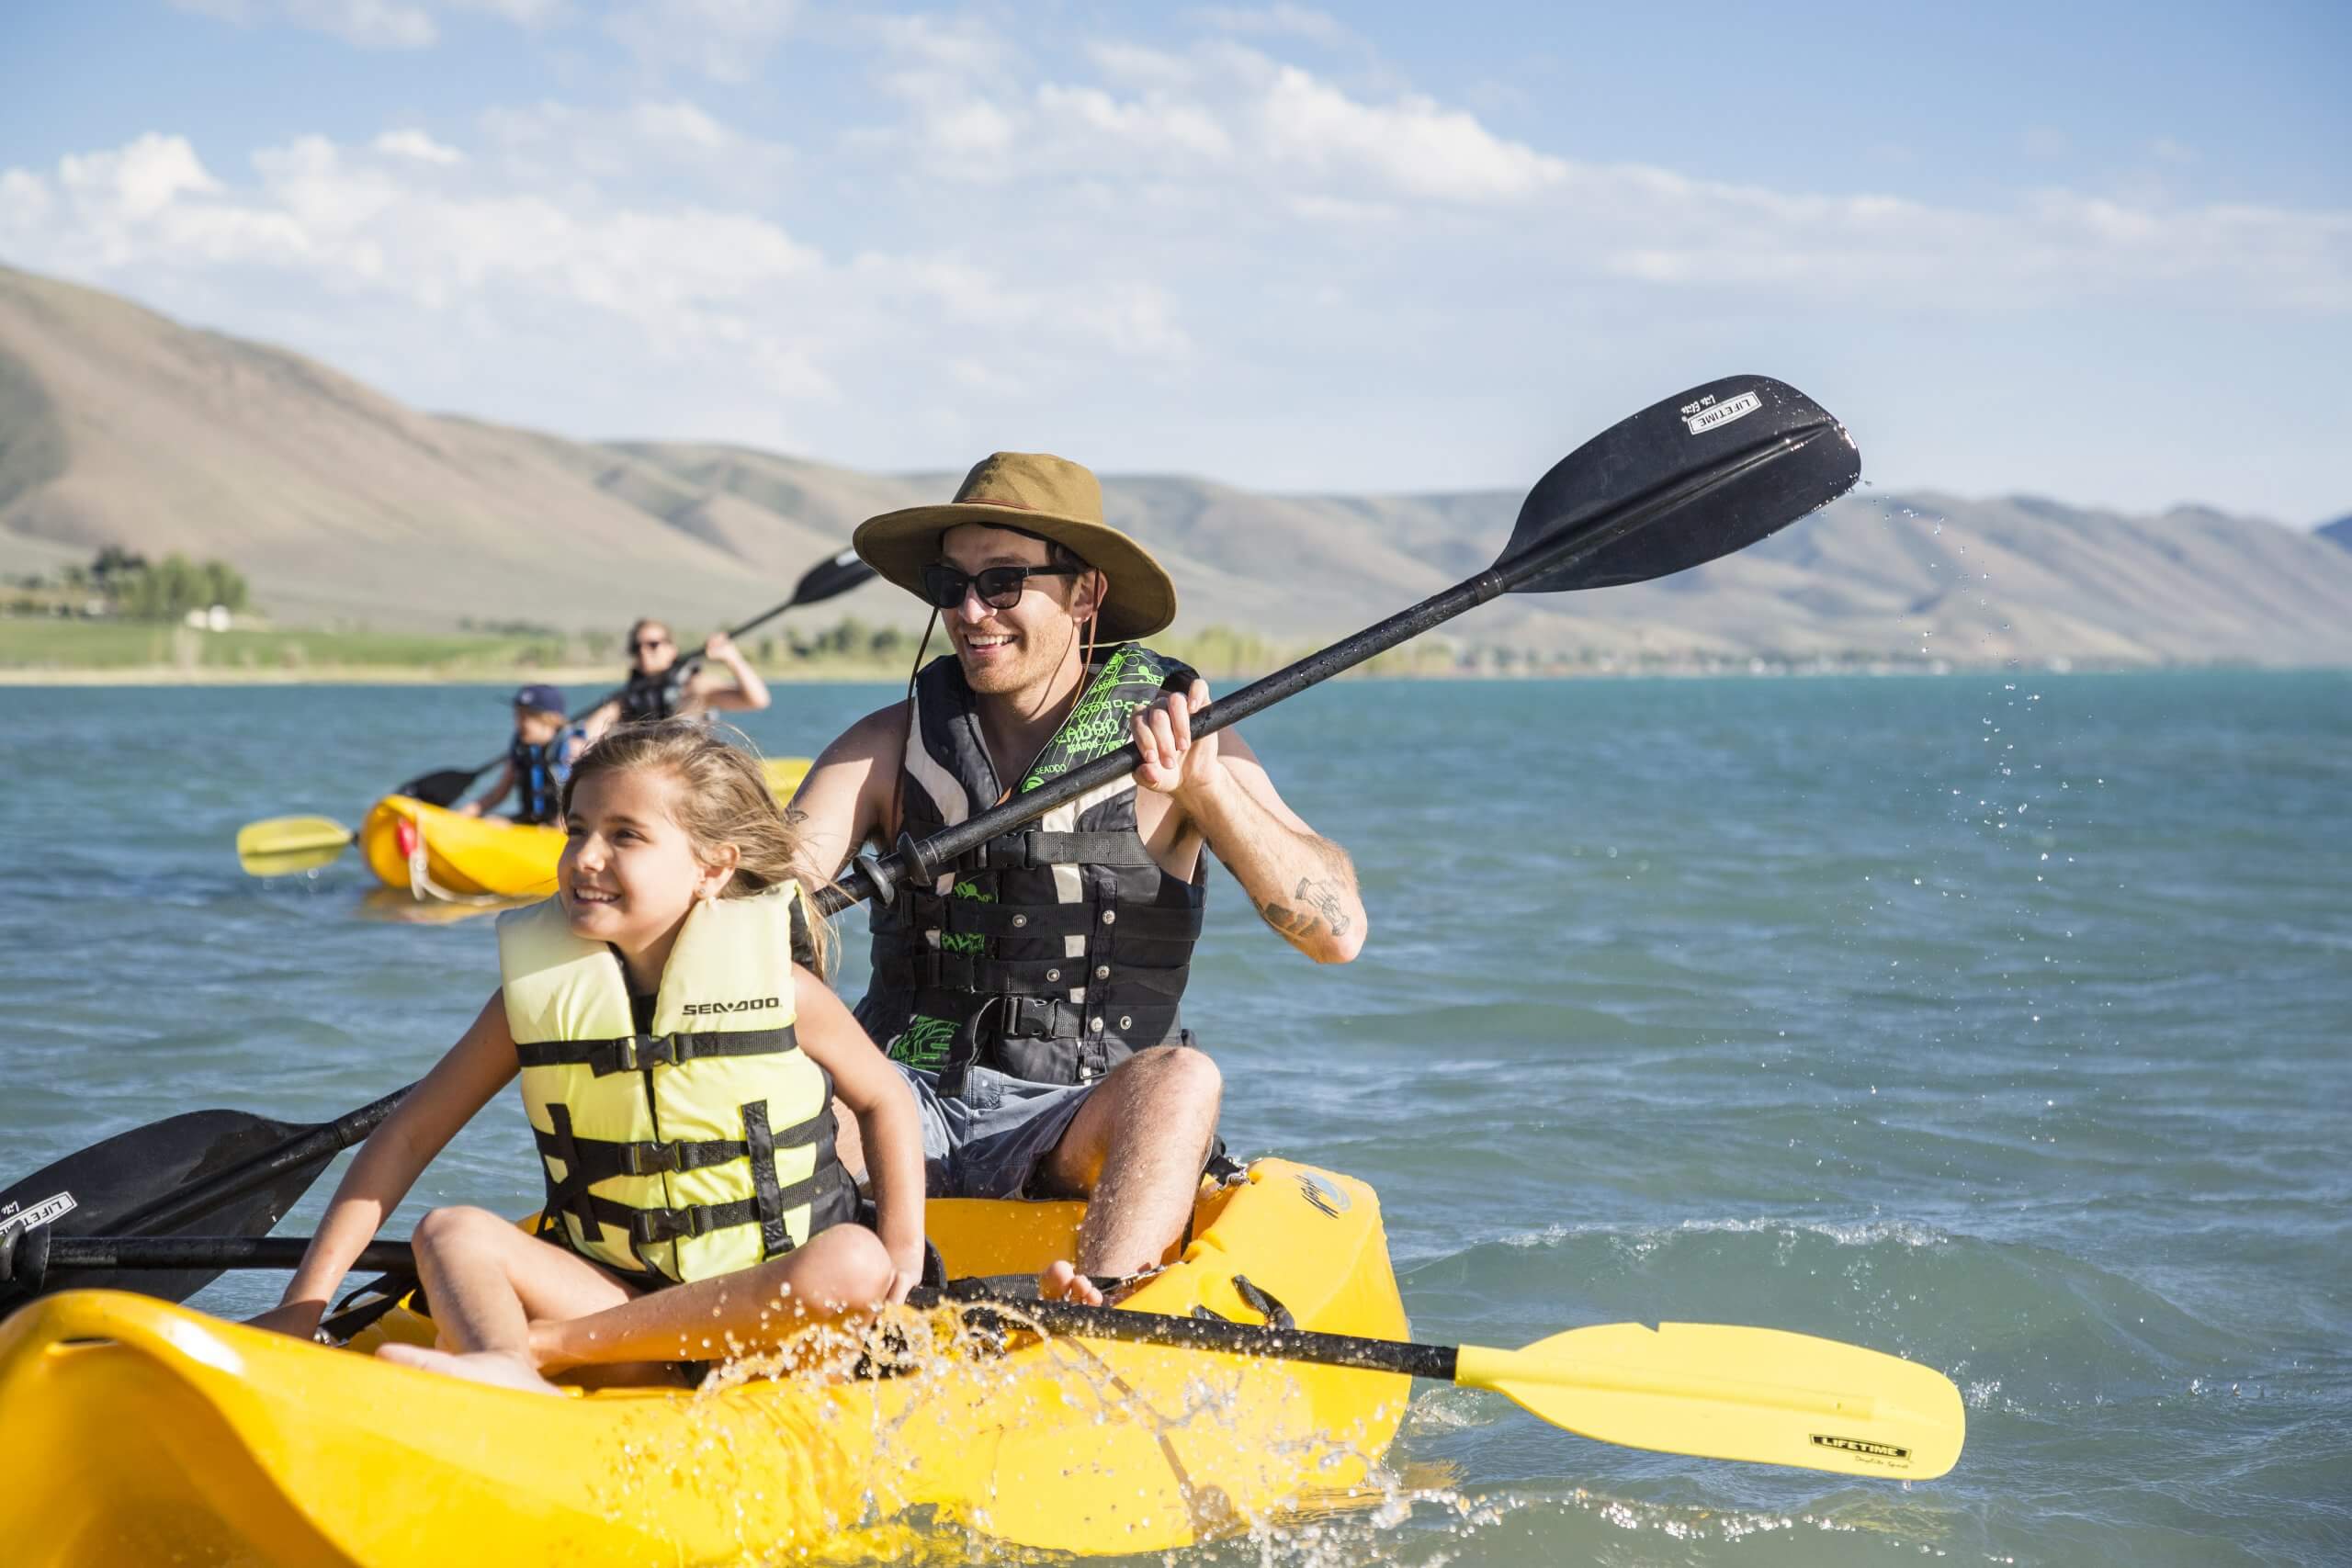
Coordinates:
(2098, 252)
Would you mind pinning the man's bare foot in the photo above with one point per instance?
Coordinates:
(1061, 1282)
(495, 1367)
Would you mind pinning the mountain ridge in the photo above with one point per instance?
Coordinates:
(344, 506)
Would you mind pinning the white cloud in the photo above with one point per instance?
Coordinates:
(1138, 246)
(522, 12)
(138, 180)
(1413, 145)
(418, 145)
(727, 40)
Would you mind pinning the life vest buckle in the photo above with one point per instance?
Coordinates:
(648, 1160)
(635, 1052)
(648, 1227)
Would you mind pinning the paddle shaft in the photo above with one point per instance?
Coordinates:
(877, 877)
(178, 1252)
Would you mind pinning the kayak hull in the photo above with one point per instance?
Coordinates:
(430, 852)
(144, 1432)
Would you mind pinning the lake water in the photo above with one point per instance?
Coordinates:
(1996, 1020)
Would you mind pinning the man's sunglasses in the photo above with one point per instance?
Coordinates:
(999, 587)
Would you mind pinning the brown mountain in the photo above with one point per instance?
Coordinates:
(117, 426)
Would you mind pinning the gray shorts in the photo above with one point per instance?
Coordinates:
(990, 1143)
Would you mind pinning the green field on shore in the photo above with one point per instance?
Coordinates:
(33, 649)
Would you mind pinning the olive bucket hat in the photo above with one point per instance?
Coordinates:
(1036, 493)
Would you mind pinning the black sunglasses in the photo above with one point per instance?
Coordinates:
(645, 642)
(999, 587)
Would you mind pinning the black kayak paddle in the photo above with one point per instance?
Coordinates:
(1683, 482)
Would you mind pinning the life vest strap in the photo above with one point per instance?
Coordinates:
(599, 1159)
(571, 1195)
(648, 1227)
(1141, 922)
(635, 1052)
(1036, 849)
(972, 917)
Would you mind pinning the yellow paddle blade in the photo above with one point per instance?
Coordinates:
(282, 845)
(1758, 1395)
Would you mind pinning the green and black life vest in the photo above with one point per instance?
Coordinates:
(693, 1147)
(1052, 953)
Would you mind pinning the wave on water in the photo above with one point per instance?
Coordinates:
(2043, 1329)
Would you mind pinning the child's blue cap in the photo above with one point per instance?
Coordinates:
(540, 699)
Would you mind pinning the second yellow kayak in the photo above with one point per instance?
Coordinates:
(432, 853)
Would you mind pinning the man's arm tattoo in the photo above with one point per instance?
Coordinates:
(1326, 897)
(1295, 924)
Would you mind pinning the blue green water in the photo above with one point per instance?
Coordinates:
(2000, 1021)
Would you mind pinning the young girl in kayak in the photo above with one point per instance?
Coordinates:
(677, 1068)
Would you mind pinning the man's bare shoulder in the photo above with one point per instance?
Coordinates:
(878, 735)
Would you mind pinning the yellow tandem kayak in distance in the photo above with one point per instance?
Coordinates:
(432, 853)
(142, 1432)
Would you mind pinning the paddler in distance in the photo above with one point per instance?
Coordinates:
(538, 758)
(1031, 995)
(658, 686)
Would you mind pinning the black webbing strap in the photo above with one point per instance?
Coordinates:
(598, 1158)
(571, 1195)
(635, 1052)
(767, 1194)
(1036, 849)
(647, 1226)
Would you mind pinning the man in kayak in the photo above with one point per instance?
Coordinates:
(1031, 995)
(661, 686)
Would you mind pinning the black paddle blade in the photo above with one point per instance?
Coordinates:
(1749, 454)
(441, 788)
(827, 579)
(89, 1194)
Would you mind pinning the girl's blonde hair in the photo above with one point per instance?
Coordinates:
(723, 798)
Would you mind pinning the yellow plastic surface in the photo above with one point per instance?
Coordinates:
(1720, 1391)
(141, 1432)
(470, 857)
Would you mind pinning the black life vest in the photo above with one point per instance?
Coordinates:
(1052, 953)
(649, 697)
(538, 778)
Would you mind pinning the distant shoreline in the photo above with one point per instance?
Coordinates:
(583, 681)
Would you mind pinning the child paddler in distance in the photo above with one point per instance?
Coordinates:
(538, 758)
(678, 1065)
(660, 687)
(1031, 995)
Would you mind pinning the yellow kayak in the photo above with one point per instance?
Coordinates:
(142, 1432)
(432, 853)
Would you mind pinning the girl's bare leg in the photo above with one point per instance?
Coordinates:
(488, 1281)
(839, 1271)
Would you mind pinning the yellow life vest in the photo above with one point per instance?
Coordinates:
(701, 1147)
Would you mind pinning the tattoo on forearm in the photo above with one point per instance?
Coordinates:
(1325, 896)
(794, 816)
(1295, 924)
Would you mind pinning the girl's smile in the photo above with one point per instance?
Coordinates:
(629, 873)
